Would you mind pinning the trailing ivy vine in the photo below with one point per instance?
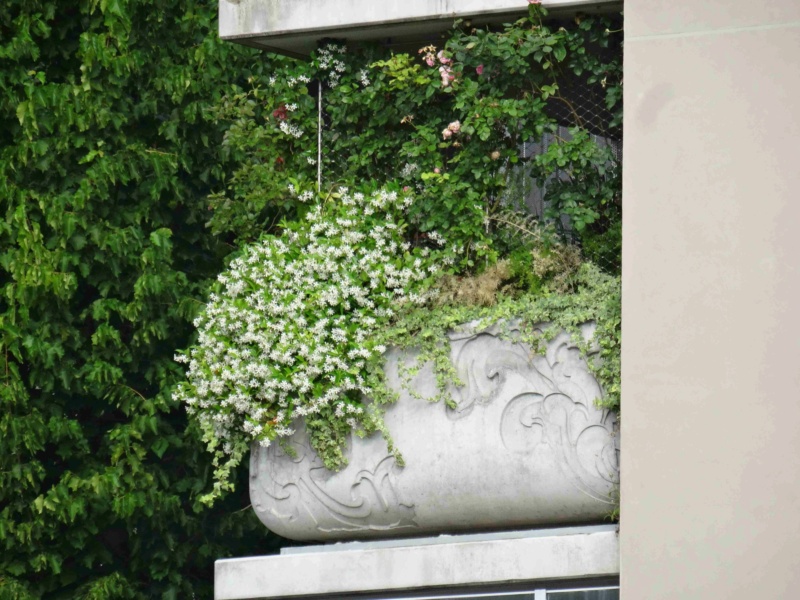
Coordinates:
(527, 318)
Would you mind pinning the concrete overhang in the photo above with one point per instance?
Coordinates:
(293, 27)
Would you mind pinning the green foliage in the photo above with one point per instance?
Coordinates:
(108, 156)
(594, 298)
(269, 161)
(136, 149)
(288, 330)
(449, 123)
(583, 183)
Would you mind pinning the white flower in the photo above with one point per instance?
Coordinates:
(408, 169)
(290, 129)
(292, 329)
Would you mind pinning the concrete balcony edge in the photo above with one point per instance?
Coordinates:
(417, 564)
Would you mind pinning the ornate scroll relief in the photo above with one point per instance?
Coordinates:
(556, 405)
(484, 362)
(300, 492)
(586, 449)
(524, 445)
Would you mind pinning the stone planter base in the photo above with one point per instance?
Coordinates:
(525, 446)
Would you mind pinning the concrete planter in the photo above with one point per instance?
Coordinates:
(525, 446)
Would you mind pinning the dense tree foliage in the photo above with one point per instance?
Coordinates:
(107, 156)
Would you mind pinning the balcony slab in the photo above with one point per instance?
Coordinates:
(293, 27)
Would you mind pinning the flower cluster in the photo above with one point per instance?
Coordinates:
(328, 59)
(453, 128)
(281, 114)
(431, 57)
(408, 170)
(305, 196)
(292, 81)
(292, 326)
(446, 73)
(289, 129)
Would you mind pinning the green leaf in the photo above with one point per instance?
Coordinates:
(22, 109)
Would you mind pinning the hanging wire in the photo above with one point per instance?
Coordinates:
(524, 173)
(319, 138)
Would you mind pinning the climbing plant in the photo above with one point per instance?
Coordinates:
(298, 325)
(449, 122)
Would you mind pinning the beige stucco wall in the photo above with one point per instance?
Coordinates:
(711, 301)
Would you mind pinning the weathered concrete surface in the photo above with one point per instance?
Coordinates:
(294, 26)
(711, 288)
(545, 555)
(524, 446)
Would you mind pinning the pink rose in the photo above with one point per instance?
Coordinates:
(445, 74)
(455, 126)
(437, 170)
(429, 61)
(442, 58)
(447, 134)
(479, 69)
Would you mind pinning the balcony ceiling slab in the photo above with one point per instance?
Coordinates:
(294, 27)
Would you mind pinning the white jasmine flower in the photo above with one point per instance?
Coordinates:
(292, 329)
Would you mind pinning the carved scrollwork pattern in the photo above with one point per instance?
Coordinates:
(299, 488)
(585, 446)
(557, 409)
(544, 451)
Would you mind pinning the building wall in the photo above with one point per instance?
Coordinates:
(711, 301)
